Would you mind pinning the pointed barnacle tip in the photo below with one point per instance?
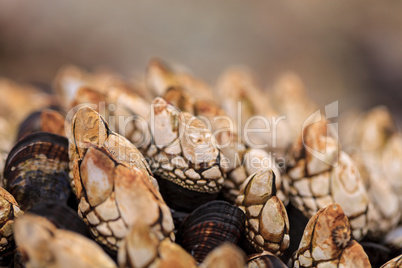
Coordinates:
(341, 236)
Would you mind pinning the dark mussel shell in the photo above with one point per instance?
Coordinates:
(62, 216)
(46, 120)
(298, 223)
(36, 170)
(180, 198)
(264, 260)
(377, 254)
(209, 226)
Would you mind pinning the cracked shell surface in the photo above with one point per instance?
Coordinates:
(267, 223)
(184, 157)
(143, 248)
(114, 197)
(43, 245)
(316, 181)
(89, 128)
(327, 241)
(9, 211)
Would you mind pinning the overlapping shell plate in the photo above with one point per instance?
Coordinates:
(142, 247)
(113, 197)
(112, 182)
(183, 150)
(89, 128)
(9, 211)
(327, 242)
(318, 181)
(41, 244)
(267, 224)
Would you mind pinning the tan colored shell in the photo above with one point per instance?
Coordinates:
(112, 182)
(160, 78)
(9, 211)
(113, 197)
(69, 79)
(377, 149)
(239, 161)
(267, 223)
(332, 177)
(291, 100)
(225, 256)
(394, 263)
(88, 95)
(385, 212)
(53, 122)
(130, 112)
(88, 128)
(142, 247)
(183, 150)
(262, 128)
(392, 164)
(43, 245)
(191, 95)
(327, 242)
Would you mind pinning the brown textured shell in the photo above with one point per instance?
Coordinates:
(318, 181)
(327, 241)
(9, 211)
(112, 181)
(183, 150)
(267, 223)
(142, 247)
(88, 128)
(41, 244)
(113, 197)
(239, 161)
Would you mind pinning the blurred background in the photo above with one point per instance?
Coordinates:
(349, 51)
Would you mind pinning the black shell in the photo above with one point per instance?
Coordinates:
(36, 170)
(264, 260)
(180, 198)
(62, 217)
(298, 223)
(209, 226)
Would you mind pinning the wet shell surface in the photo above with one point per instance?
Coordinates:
(264, 260)
(267, 223)
(9, 211)
(142, 247)
(183, 157)
(41, 244)
(327, 240)
(37, 170)
(113, 197)
(209, 226)
(319, 175)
